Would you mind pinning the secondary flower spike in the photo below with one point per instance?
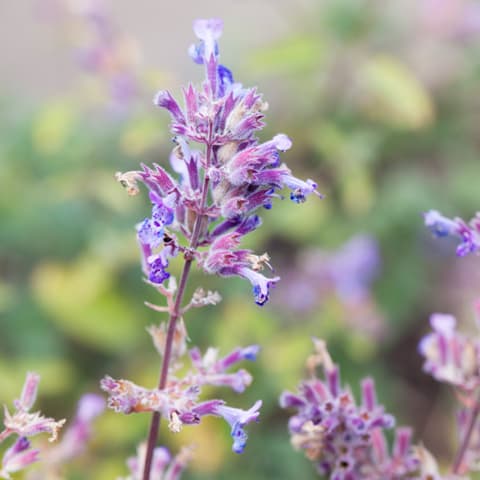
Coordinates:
(227, 182)
(346, 441)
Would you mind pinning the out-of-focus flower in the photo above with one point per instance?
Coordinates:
(450, 356)
(18, 457)
(74, 440)
(468, 233)
(179, 401)
(345, 440)
(100, 47)
(25, 424)
(164, 467)
(346, 274)
(457, 19)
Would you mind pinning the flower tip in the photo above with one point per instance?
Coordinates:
(282, 142)
(90, 406)
(443, 322)
(204, 28)
(251, 352)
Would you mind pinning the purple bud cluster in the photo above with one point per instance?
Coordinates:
(25, 424)
(179, 401)
(343, 439)
(467, 233)
(213, 196)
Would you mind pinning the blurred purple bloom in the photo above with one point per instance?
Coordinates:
(26, 424)
(29, 392)
(164, 467)
(454, 19)
(450, 356)
(76, 437)
(18, 457)
(469, 234)
(345, 440)
(354, 267)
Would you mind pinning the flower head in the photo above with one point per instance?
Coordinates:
(335, 432)
(212, 198)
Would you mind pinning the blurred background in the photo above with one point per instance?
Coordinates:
(381, 99)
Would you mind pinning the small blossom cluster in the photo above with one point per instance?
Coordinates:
(164, 467)
(345, 440)
(23, 424)
(467, 233)
(213, 197)
(179, 400)
(451, 356)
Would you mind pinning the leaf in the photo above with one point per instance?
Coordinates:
(295, 54)
(80, 300)
(390, 93)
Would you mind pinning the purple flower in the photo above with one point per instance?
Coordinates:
(261, 284)
(29, 392)
(450, 356)
(238, 419)
(18, 457)
(79, 432)
(223, 185)
(334, 432)
(164, 467)
(469, 234)
(208, 31)
(179, 402)
(26, 424)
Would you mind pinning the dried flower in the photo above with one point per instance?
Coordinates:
(179, 401)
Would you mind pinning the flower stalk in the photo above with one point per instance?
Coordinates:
(174, 316)
(458, 462)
